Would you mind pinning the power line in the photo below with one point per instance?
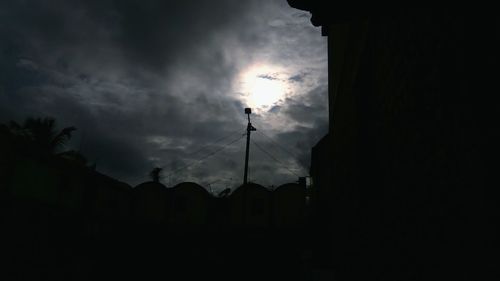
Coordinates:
(274, 158)
(293, 155)
(145, 176)
(206, 146)
(204, 157)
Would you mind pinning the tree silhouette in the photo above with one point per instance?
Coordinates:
(41, 135)
(155, 174)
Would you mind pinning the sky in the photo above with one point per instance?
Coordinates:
(165, 83)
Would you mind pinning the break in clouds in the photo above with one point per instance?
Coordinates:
(155, 83)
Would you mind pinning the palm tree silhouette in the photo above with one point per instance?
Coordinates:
(39, 135)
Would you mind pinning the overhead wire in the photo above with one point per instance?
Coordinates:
(146, 176)
(274, 158)
(293, 155)
(204, 157)
(206, 146)
(198, 161)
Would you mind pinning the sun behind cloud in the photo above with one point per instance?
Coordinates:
(262, 86)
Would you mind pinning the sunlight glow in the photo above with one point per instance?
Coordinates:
(262, 86)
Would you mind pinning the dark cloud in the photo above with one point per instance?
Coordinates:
(268, 76)
(310, 107)
(298, 77)
(149, 34)
(147, 83)
(275, 109)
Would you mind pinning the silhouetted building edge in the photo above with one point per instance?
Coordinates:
(403, 132)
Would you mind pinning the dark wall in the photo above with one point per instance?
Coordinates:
(407, 148)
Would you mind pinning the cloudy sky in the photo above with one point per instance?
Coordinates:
(165, 83)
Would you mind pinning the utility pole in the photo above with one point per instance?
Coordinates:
(250, 128)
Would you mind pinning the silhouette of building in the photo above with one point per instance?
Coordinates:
(289, 207)
(190, 206)
(63, 218)
(56, 215)
(321, 205)
(402, 136)
(151, 203)
(251, 206)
